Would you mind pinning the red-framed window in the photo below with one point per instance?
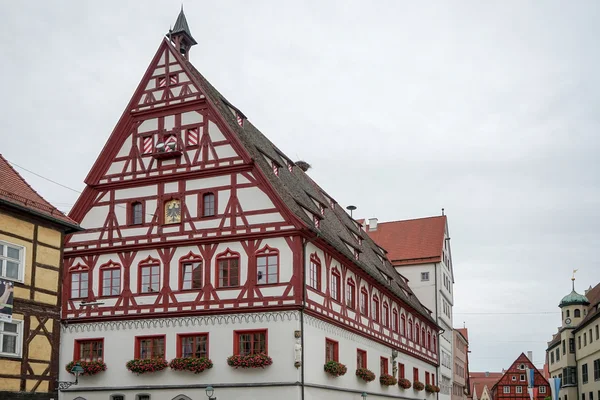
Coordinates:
(190, 272)
(432, 378)
(361, 358)
(149, 276)
(416, 334)
(434, 344)
(403, 325)
(314, 272)
(209, 205)
(386, 315)
(193, 345)
(136, 213)
(267, 266)
(110, 279)
(383, 365)
(395, 326)
(336, 285)
(410, 329)
(331, 350)
(79, 281)
(415, 374)
(423, 338)
(147, 347)
(351, 294)
(426, 378)
(429, 340)
(89, 350)
(228, 269)
(401, 373)
(364, 301)
(251, 342)
(375, 309)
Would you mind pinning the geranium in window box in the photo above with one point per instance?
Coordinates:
(429, 388)
(365, 374)
(404, 383)
(192, 364)
(335, 368)
(387, 380)
(436, 389)
(146, 365)
(249, 361)
(89, 367)
(418, 386)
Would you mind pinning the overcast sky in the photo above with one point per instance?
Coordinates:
(488, 109)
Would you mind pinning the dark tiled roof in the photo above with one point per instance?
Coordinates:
(593, 311)
(181, 26)
(15, 191)
(296, 189)
(414, 241)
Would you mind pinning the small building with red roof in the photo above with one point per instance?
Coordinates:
(32, 233)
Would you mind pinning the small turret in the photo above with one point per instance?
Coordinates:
(181, 36)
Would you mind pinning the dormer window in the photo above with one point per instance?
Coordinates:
(290, 166)
(322, 209)
(275, 168)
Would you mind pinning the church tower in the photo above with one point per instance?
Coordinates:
(574, 307)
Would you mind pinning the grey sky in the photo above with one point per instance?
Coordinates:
(489, 109)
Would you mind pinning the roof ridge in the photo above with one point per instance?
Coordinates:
(411, 219)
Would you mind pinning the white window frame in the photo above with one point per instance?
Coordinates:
(514, 378)
(4, 258)
(519, 389)
(542, 389)
(506, 389)
(19, 335)
(424, 276)
(522, 378)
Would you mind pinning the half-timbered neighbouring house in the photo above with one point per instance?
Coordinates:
(31, 238)
(204, 241)
(513, 384)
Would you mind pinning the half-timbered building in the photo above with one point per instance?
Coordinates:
(203, 240)
(514, 384)
(31, 238)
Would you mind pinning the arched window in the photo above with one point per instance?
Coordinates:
(335, 284)
(267, 266)
(375, 309)
(350, 293)
(386, 315)
(79, 281)
(364, 302)
(429, 340)
(423, 340)
(208, 205)
(416, 336)
(434, 344)
(190, 272)
(403, 325)
(577, 313)
(228, 269)
(110, 279)
(314, 273)
(410, 328)
(568, 313)
(137, 213)
(149, 275)
(173, 211)
(395, 326)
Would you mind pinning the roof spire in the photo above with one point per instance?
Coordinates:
(180, 35)
(573, 279)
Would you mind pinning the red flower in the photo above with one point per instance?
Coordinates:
(387, 380)
(249, 361)
(89, 367)
(335, 368)
(141, 366)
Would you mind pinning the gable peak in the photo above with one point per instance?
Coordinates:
(180, 35)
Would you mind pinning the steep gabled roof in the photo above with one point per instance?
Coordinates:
(464, 332)
(16, 192)
(296, 189)
(522, 359)
(413, 241)
(593, 311)
(480, 380)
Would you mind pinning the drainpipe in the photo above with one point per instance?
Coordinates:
(439, 342)
(303, 257)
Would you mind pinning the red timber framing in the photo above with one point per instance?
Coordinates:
(513, 384)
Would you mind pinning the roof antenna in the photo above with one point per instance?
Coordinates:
(351, 208)
(464, 325)
(442, 211)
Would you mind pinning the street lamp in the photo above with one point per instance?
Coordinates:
(209, 393)
(364, 395)
(76, 370)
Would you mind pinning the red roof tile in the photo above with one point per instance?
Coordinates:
(414, 241)
(17, 192)
(464, 332)
(479, 380)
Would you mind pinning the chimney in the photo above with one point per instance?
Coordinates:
(372, 224)
(487, 374)
(530, 355)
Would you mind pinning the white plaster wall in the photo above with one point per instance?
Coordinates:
(119, 342)
(94, 218)
(315, 334)
(253, 198)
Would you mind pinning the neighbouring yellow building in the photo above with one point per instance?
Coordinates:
(31, 243)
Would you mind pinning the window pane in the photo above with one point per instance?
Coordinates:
(9, 344)
(12, 270)
(197, 275)
(13, 253)
(9, 327)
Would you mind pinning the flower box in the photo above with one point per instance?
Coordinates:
(249, 361)
(404, 383)
(142, 366)
(335, 368)
(192, 364)
(387, 380)
(365, 374)
(418, 386)
(429, 388)
(89, 367)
